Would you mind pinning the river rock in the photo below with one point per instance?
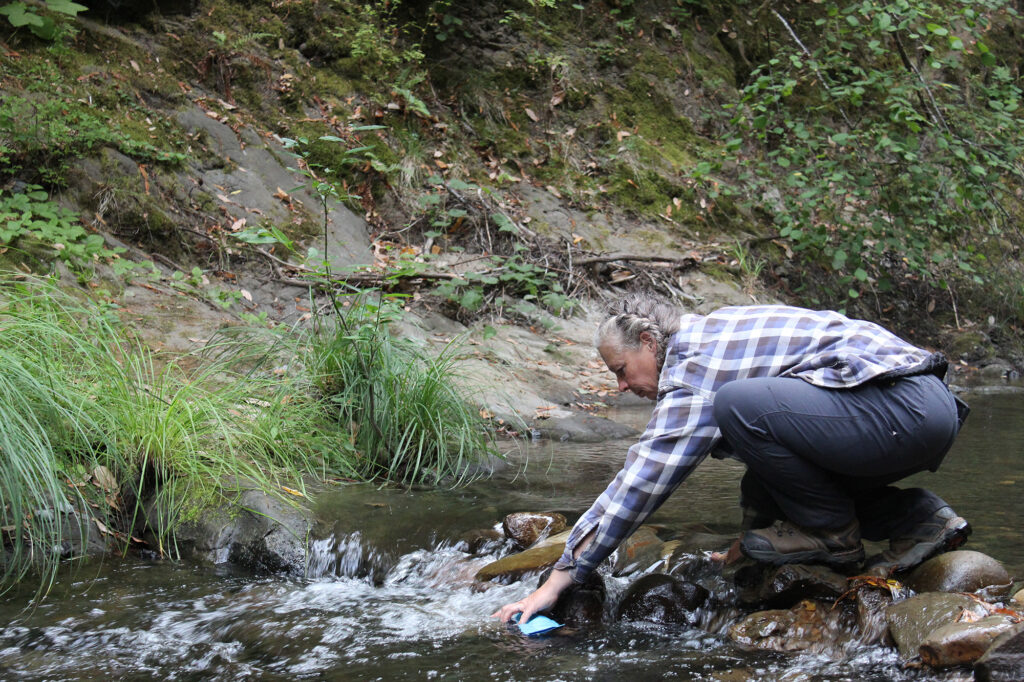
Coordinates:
(957, 571)
(526, 528)
(641, 551)
(783, 586)
(1004, 660)
(579, 605)
(809, 626)
(963, 642)
(256, 531)
(475, 541)
(660, 598)
(871, 608)
(512, 567)
(912, 620)
(1018, 597)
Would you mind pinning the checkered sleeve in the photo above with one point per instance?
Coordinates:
(680, 434)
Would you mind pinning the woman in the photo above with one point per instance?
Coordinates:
(824, 411)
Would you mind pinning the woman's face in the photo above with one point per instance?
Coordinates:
(636, 369)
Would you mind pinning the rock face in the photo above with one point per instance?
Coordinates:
(1004, 660)
(660, 598)
(911, 621)
(526, 528)
(958, 571)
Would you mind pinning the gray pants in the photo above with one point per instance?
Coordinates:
(821, 457)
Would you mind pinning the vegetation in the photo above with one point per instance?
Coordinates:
(860, 155)
(92, 420)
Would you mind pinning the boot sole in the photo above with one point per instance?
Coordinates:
(954, 535)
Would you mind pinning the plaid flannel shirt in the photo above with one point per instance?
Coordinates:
(823, 348)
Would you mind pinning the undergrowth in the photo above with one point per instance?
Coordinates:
(96, 430)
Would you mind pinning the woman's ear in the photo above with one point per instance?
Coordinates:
(648, 340)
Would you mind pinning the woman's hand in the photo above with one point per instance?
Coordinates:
(544, 597)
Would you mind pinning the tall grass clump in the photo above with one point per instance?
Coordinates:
(96, 427)
(408, 419)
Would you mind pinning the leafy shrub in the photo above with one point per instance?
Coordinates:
(885, 138)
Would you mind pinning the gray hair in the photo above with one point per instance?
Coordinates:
(629, 317)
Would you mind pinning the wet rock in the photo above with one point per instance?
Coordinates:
(475, 541)
(512, 567)
(660, 598)
(258, 532)
(1004, 659)
(580, 606)
(963, 642)
(958, 571)
(1018, 597)
(582, 428)
(808, 626)
(871, 608)
(641, 551)
(912, 620)
(782, 586)
(526, 528)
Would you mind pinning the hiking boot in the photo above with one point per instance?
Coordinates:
(940, 532)
(786, 543)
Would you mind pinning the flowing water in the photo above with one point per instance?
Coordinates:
(394, 597)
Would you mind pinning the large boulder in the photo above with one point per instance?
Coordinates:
(662, 599)
(526, 528)
(1004, 660)
(958, 571)
(912, 620)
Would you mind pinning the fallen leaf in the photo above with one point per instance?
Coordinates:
(533, 116)
(102, 478)
(246, 295)
(576, 239)
(622, 134)
(103, 529)
(553, 191)
(238, 225)
(296, 493)
(557, 99)
(485, 414)
(195, 340)
(135, 66)
(281, 194)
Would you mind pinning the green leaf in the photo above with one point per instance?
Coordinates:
(66, 7)
(861, 274)
(956, 43)
(19, 15)
(937, 30)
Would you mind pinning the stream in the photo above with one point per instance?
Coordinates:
(394, 598)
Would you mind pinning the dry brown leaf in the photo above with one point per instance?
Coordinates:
(296, 493)
(557, 99)
(237, 225)
(533, 116)
(485, 414)
(102, 478)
